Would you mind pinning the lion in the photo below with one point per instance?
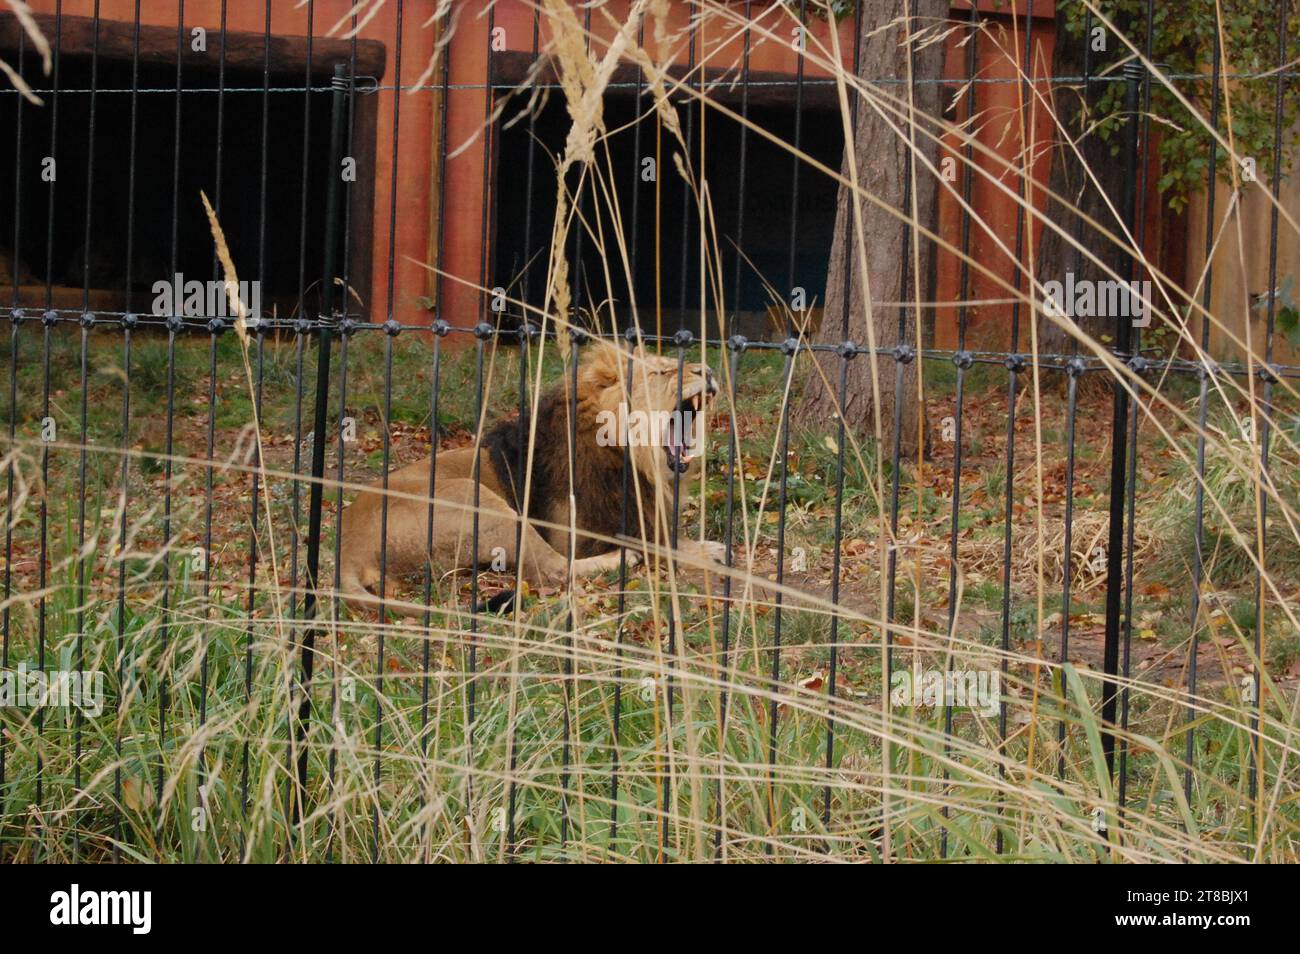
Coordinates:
(660, 420)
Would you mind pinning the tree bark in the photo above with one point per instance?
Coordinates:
(1056, 255)
(881, 155)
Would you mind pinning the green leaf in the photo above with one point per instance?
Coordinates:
(1288, 322)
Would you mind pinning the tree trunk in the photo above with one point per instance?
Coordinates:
(1056, 256)
(881, 155)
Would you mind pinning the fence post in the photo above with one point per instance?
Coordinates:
(324, 324)
(1133, 75)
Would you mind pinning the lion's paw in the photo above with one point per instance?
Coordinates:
(710, 550)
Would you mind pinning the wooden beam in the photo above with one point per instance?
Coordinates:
(244, 50)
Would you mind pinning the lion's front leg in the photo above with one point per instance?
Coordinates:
(604, 562)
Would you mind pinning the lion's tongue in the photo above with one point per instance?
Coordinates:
(676, 459)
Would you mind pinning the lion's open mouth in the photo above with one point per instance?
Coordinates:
(680, 446)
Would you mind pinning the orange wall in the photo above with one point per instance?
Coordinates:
(999, 56)
(464, 244)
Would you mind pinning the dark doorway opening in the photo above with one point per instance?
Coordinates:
(674, 298)
(143, 199)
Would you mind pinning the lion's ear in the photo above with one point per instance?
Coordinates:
(602, 363)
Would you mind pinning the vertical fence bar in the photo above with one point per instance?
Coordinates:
(439, 332)
(87, 322)
(250, 599)
(794, 336)
(14, 324)
(735, 346)
(215, 326)
(1015, 364)
(175, 323)
(391, 329)
(346, 329)
(1133, 74)
(527, 330)
(440, 329)
(681, 339)
(324, 325)
(260, 331)
(48, 320)
(688, 139)
(742, 164)
(1137, 364)
(963, 361)
(632, 335)
(1267, 374)
(790, 348)
(129, 321)
(1204, 373)
(568, 682)
(848, 349)
(483, 332)
(304, 325)
(15, 320)
(347, 326)
(902, 353)
(797, 160)
(1075, 368)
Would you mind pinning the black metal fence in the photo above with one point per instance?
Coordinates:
(114, 590)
